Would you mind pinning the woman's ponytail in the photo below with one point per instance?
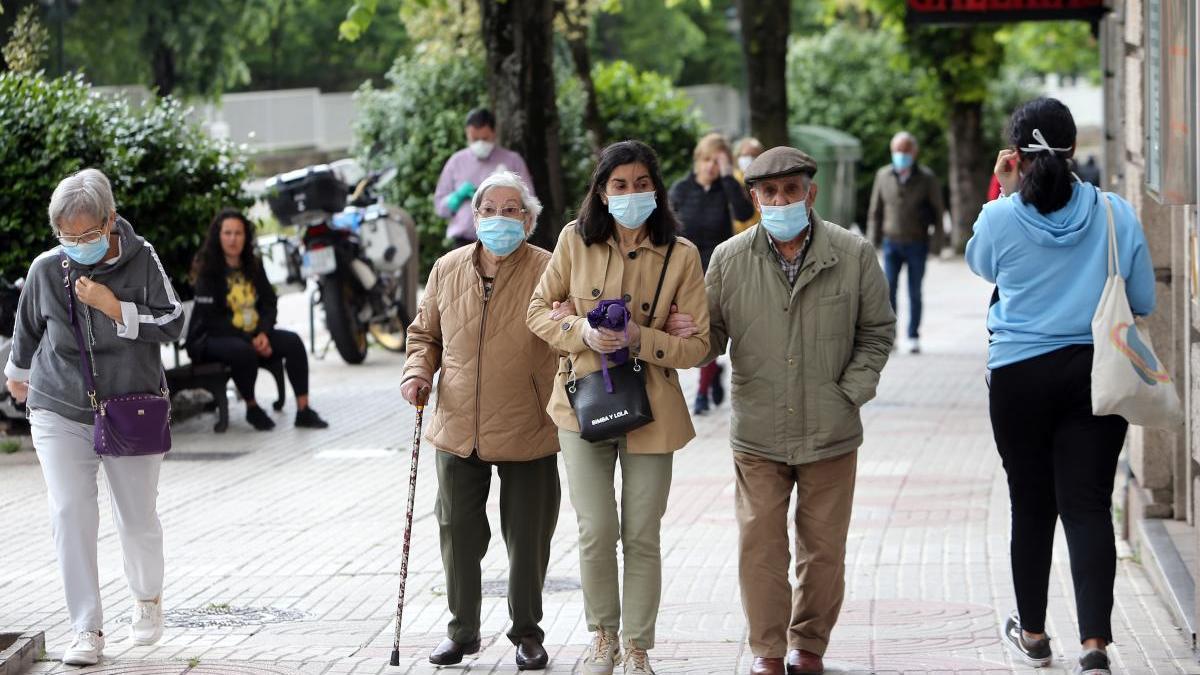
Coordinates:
(1043, 130)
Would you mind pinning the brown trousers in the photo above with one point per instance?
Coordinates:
(824, 493)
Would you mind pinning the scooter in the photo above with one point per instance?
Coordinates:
(361, 252)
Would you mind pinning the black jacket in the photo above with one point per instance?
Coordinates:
(705, 214)
(212, 316)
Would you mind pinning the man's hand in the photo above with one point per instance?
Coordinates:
(262, 345)
(416, 391)
(19, 390)
(561, 310)
(1006, 171)
(96, 294)
(680, 325)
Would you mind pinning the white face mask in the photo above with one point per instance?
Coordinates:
(481, 149)
(744, 163)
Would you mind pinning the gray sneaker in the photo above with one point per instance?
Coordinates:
(637, 661)
(603, 654)
(1093, 662)
(1033, 652)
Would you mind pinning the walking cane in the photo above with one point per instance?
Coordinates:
(422, 395)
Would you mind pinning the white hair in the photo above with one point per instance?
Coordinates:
(902, 136)
(84, 193)
(510, 179)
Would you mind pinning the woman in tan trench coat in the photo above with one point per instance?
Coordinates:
(617, 249)
(490, 412)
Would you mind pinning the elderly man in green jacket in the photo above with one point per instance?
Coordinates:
(806, 307)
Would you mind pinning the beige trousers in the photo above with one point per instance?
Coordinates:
(781, 617)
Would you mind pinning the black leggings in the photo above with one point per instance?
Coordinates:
(239, 355)
(1061, 461)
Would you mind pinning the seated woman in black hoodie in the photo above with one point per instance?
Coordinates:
(234, 319)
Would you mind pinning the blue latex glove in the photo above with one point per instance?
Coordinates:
(464, 193)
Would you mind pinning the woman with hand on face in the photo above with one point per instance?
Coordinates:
(618, 248)
(490, 414)
(234, 319)
(708, 201)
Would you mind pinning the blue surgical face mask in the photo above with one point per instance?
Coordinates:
(501, 235)
(902, 160)
(88, 254)
(785, 223)
(630, 211)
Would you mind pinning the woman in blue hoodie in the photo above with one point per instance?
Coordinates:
(1044, 245)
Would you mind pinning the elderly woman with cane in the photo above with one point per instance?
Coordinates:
(91, 317)
(490, 413)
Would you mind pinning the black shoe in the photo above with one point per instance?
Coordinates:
(701, 405)
(1093, 662)
(309, 419)
(531, 655)
(1033, 652)
(718, 389)
(259, 419)
(450, 652)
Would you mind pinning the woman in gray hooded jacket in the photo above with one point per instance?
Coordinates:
(125, 308)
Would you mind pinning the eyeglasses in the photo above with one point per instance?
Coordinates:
(89, 237)
(507, 211)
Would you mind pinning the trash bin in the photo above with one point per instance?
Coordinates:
(837, 154)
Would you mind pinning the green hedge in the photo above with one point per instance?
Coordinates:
(417, 123)
(168, 177)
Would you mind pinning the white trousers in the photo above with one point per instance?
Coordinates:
(69, 465)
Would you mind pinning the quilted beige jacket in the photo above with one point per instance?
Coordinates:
(495, 374)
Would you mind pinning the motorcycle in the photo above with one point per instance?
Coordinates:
(361, 252)
(9, 294)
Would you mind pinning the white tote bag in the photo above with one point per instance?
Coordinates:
(1128, 379)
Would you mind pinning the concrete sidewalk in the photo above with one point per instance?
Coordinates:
(283, 548)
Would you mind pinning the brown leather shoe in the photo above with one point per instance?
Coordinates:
(531, 655)
(767, 665)
(801, 662)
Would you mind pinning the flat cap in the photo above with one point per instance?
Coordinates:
(780, 161)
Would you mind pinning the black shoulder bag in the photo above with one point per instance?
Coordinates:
(603, 415)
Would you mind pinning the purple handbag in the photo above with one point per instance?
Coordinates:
(126, 425)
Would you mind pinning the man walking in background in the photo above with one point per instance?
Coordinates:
(466, 170)
(906, 202)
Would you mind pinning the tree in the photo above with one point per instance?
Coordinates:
(519, 36)
(192, 47)
(765, 26)
(29, 42)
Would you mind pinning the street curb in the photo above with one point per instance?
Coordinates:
(20, 654)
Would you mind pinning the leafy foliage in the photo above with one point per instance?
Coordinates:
(644, 106)
(26, 50)
(168, 177)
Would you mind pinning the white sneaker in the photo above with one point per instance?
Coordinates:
(637, 661)
(912, 346)
(146, 623)
(603, 654)
(85, 650)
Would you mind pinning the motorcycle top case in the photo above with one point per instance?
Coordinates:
(312, 189)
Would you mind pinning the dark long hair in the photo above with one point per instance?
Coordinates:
(209, 262)
(596, 224)
(1048, 183)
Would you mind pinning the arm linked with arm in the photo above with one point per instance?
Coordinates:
(661, 348)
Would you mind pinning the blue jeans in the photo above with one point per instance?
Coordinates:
(896, 255)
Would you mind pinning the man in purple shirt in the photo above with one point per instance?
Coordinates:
(466, 169)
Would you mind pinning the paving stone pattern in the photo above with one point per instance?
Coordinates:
(283, 548)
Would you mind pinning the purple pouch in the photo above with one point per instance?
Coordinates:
(613, 315)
